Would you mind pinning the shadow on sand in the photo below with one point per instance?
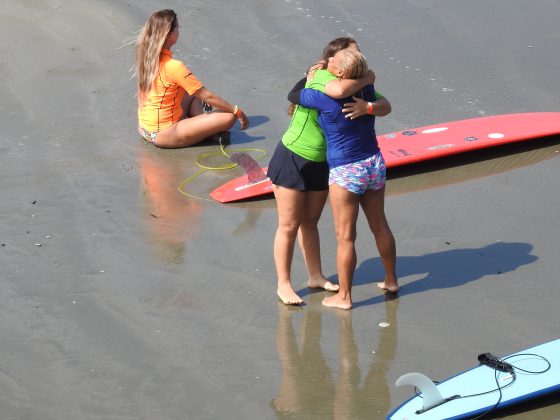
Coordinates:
(447, 269)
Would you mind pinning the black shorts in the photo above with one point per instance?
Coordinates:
(289, 170)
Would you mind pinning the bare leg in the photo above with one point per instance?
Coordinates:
(345, 206)
(373, 205)
(193, 130)
(309, 242)
(290, 205)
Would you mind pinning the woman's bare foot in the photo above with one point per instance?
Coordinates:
(391, 288)
(322, 283)
(287, 295)
(337, 302)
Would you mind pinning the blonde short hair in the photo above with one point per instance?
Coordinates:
(353, 64)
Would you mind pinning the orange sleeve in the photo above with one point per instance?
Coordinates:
(182, 76)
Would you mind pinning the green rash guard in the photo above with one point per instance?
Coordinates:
(304, 137)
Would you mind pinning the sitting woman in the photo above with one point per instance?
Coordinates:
(356, 173)
(170, 97)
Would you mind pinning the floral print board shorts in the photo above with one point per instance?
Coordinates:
(358, 177)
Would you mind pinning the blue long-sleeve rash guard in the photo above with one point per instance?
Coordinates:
(348, 141)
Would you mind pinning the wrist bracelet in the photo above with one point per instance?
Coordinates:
(370, 108)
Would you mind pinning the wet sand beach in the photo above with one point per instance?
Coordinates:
(124, 297)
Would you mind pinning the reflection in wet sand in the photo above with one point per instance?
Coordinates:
(248, 224)
(170, 218)
(308, 390)
(372, 398)
(307, 387)
(468, 166)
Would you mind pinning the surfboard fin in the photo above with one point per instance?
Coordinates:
(254, 171)
(431, 396)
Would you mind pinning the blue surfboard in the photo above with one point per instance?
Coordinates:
(524, 376)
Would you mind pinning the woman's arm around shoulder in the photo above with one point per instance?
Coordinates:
(311, 98)
(342, 88)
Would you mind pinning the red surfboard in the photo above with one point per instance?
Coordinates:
(242, 188)
(429, 142)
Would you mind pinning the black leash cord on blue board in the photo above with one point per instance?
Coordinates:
(499, 365)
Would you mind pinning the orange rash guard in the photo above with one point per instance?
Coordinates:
(162, 108)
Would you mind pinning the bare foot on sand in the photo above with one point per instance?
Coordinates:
(336, 302)
(287, 295)
(322, 283)
(388, 287)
